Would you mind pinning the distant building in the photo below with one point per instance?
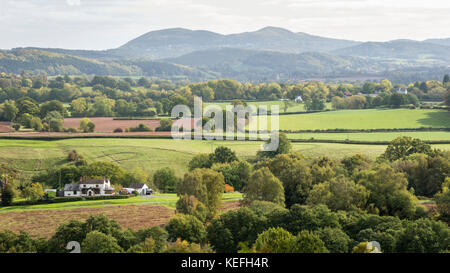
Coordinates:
(140, 188)
(298, 99)
(402, 91)
(348, 94)
(89, 187)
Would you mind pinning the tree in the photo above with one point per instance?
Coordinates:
(165, 179)
(308, 242)
(236, 173)
(426, 174)
(264, 186)
(223, 154)
(404, 146)
(72, 231)
(53, 105)
(206, 185)
(233, 227)
(388, 191)
(443, 201)
(7, 195)
(200, 161)
(190, 205)
(424, 236)
(335, 240)
(340, 193)
(86, 125)
(275, 240)
(36, 124)
(148, 246)
(97, 242)
(284, 147)
(295, 176)
(186, 227)
(34, 192)
(165, 125)
(10, 111)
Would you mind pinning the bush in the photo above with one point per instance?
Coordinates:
(7, 195)
(140, 128)
(118, 130)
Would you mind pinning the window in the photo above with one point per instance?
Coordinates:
(74, 192)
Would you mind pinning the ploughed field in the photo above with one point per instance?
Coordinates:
(43, 223)
(110, 124)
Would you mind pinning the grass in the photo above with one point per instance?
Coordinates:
(378, 136)
(32, 156)
(166, 200)
(366, 119)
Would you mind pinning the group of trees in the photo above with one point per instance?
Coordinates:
(291, 204)
(22, 97)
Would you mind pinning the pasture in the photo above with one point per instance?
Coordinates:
(367, 119)
(32, 156)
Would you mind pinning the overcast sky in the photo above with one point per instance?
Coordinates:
(103, 24)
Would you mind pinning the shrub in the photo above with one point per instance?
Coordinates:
(118, 130)
(140, 128)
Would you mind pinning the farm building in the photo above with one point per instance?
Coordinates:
(140, 188)
(89, 187)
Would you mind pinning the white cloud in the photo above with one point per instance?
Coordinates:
(73, 2)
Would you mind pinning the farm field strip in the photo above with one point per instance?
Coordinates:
(366, 119)
(166, 200)
(150, 155)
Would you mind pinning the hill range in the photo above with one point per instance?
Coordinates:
(269, 54)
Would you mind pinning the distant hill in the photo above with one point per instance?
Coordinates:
(252, 65)
(178, 41)
(37, 61)
(444, 42)
(17, 60)
(268, 54)
(399, 49)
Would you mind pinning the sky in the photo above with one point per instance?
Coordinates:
(104, 24)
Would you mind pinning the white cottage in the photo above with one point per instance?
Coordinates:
(89, 187)
(140, 188)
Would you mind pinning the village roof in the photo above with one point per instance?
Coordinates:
(72, 187)
(2, 183)
(137, 185)
(93, 181)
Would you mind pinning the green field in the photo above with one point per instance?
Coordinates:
(366, 119)
(32, 156)
(167, 200)
(378, 136)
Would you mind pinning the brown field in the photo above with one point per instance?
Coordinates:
(109, 124)
(32, 134)
(43, 223)
(4, 127)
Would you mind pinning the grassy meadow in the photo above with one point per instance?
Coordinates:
(367, 119)
(32, 156)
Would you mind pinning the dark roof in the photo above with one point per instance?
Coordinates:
(2, 183)
(93, 181)
(72, 187)
(137, 185)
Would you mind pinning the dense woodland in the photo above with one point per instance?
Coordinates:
(291, 204)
